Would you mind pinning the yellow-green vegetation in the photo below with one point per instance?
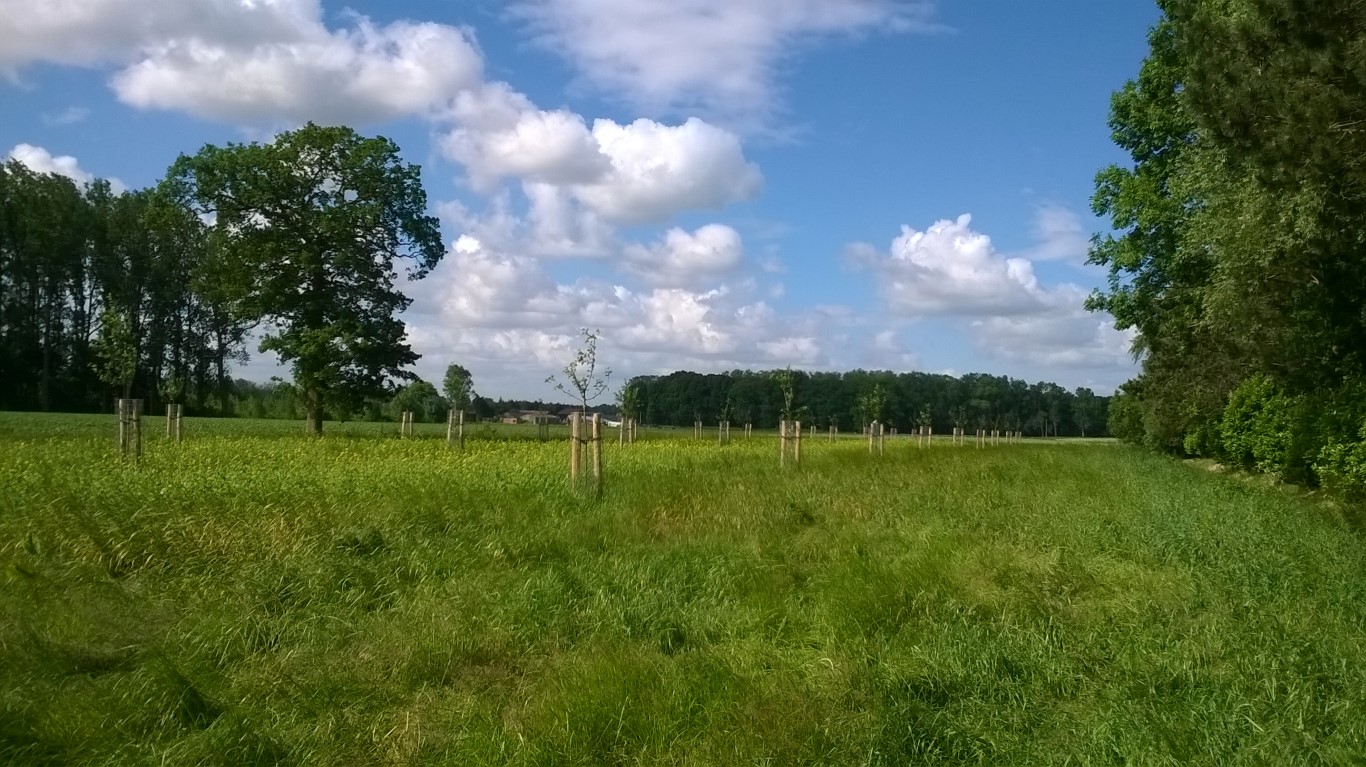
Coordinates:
(254, 596)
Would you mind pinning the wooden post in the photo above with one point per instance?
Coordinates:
(174, 415)
(797, 448)
(872, 427)
(130, 427)
(749, 430)
(782, 443)
(137, 429)
(881, 437)
(124, 409)
(597, 453)
(574, 455)
(832, 433)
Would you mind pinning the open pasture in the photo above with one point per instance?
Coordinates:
(252, 596)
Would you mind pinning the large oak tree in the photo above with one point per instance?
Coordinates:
(312, 226)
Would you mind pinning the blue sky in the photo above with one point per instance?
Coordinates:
(826, 184)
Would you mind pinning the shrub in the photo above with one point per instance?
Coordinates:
(1203, 439)
(1125, 418)
(1341, 467)
(1256, 427)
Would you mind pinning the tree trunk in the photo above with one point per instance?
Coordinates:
(221, 376)
(315, 412)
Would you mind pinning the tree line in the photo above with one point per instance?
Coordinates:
(850, 400)
(104, 293)
(1238, 252)
(152, 293)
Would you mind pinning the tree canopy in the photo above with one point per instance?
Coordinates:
(1238, 249)
(312, 226)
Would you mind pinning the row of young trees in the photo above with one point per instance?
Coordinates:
(850, 400)
(1240, 247)
(151, 293)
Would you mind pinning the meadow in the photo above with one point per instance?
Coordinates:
(255, 597)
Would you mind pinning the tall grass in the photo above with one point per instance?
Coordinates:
(250, 598)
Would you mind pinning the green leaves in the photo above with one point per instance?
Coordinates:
(458, 386)
(115, 351)
(312, 227)
(1238, 250)
(581, 377)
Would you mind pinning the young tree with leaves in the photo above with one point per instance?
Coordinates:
(581, 377)
(787, 389)
(116, 355)
(873, 403)
(458, 386)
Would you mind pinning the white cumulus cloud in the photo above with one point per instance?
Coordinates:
(685, 258)
(951, 269)
(91, 32)
(247, 61)
(717, 56)
(952, 272)
(639, 172)
(1065, 336)
(506, 317)
(363, 74)
(500, 133)
(659, 170)
(40, 160)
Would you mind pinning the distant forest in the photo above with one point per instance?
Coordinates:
(907, 399)
(741, 396)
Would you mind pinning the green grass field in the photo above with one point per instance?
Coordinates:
(252, 596)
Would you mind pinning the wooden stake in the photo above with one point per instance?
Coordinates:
(797, 449)
(782, 443)
(137, 429)
(597, 453)
(872, 427)
(121, 408)
(574, 455)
